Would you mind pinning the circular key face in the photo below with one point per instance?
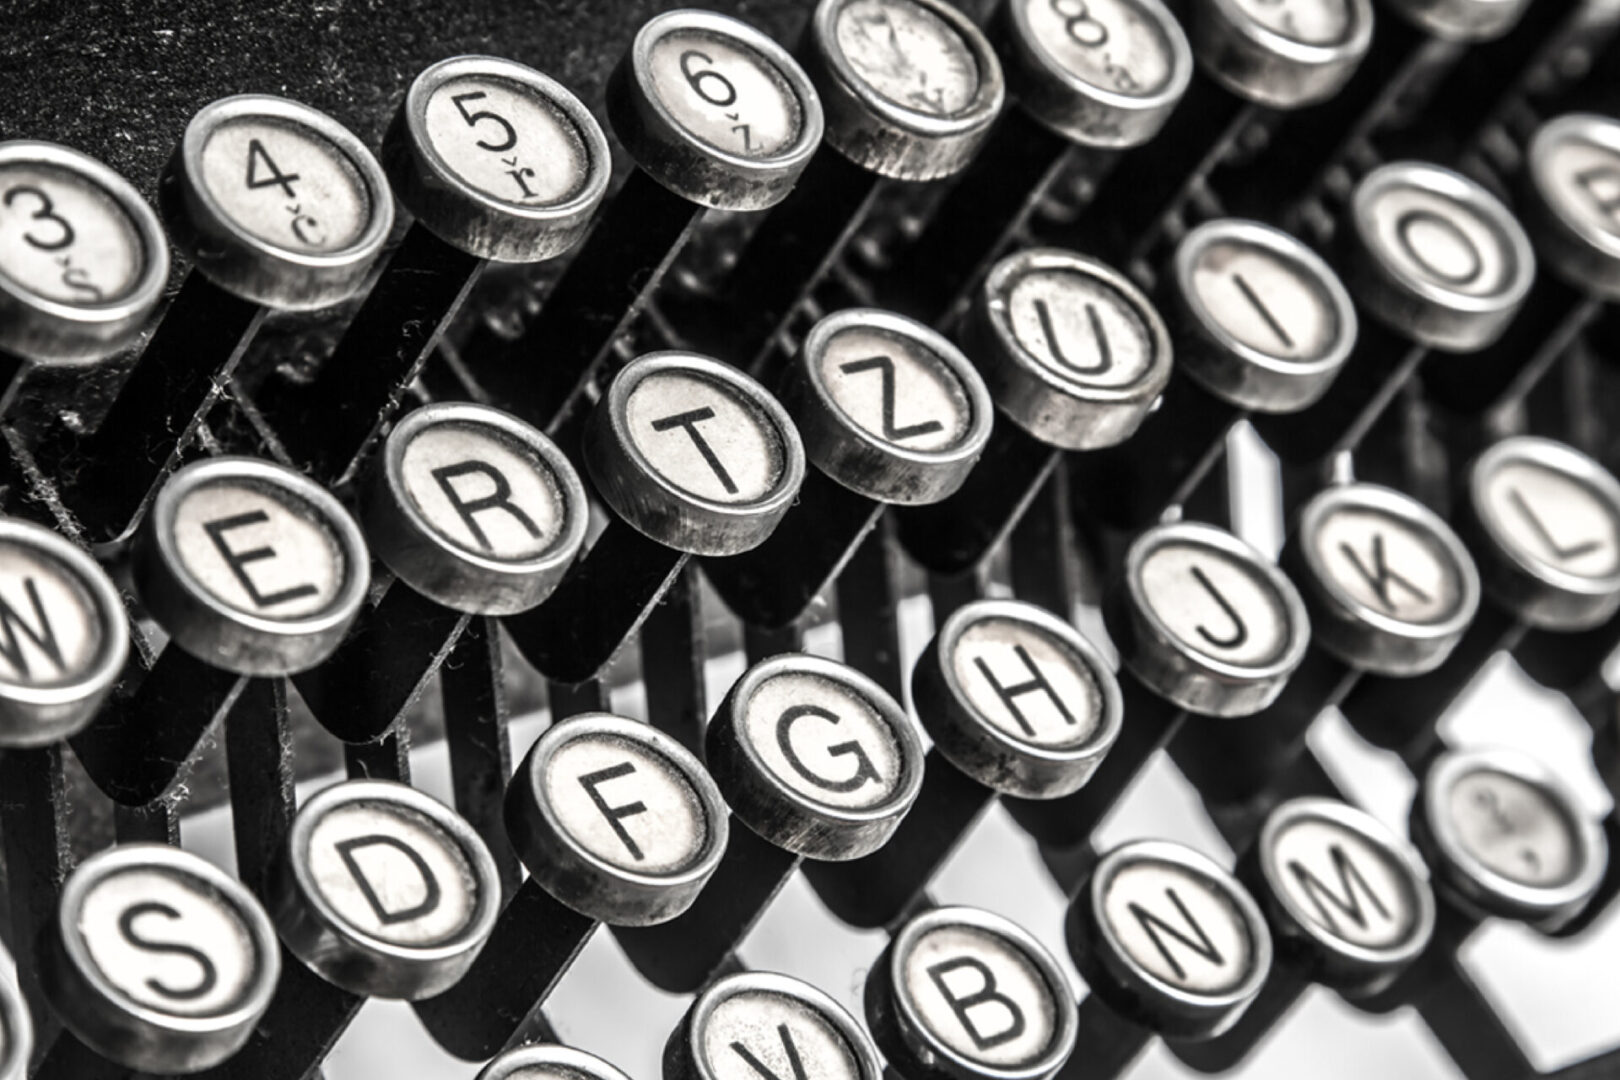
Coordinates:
(1574, 200)
(1017, 699)
(1262, 321)
(1072, 352)
(815, 757)
(474, 508)
(1282, 53)
(1462, 20)
(497, 159)
(384, 891)
(616, 820)
(547, 1061)
(1505, 837)
(966, 994)
(1099, 72)
(1169, 939)
(887, 407)
(1436, 256)
(1343, 892)
(1389, 587)
(1546, 519)
(694, 454)
(66, 638)
(82, 257)
(752, 1023)
(276, 202)
(910, 87)
(158, 960)
(251, 566)
(714, 110)
(1205, 621)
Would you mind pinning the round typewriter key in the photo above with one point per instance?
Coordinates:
(616, 820)
(1100, 72)
(474, 508)
(549, 1062)
(756, 1024)
(887, 407)
(277, 202)
(1436, 256)
(815, 757)
(1462, 20)
(1072, 351)
(1282, 53)
(1574, 199)
(1389, 587)
(1505, 837)
(1263, 322)
(910, 87)
(1206, 622)
(968, 995)
(384, 891)
(251, 566)
(63, 636)
(82, 258)
(16, 1031)
(158, 960)
(1168, 939)
(497, 159)
(1549, 519)
(1017, 699)
(694, 454)
(1343, 892)
(716, 111)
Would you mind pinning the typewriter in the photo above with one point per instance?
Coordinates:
(855, 540)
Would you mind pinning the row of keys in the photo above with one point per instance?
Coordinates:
(161, 962)
(279, 204)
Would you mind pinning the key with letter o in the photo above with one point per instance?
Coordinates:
(549, 1062)
(474, 508)
(82, 258)
(964, 994)
(383, 890)
(251, 566)
(755, 1024)
(158, 960)
(64, 636)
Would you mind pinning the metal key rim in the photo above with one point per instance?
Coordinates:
(1575, 243)
(16, 1028)
(1266, 41)
(550, 1058)
(696, 1021)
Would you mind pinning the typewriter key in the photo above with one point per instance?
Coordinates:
(276, 202)
(1101, 73)
(616, 820)
(1437, 257)
(1345, 896)
(497, 159)
(1544, 521)
(474, 508)
(1389, 587)
(383, 890)
(1462, 20)
(1573, 174)
(716, 111)
(964, 994)
(910, 87)
(251, 566)
(1017, 699)
(1168, 939)
(1505, 837)
(549, 1061)
(82, 258)
(815, 757)
(158, 960)
(1261, 321)
(1203, 620)
(756, 1024)
(65, 636)
(16, 1030)
(1282, 53)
